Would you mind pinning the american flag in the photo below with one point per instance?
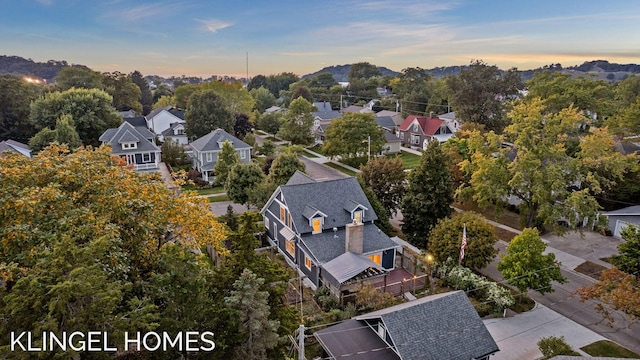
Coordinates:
(464, 242)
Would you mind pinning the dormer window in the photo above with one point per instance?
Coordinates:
(129, 145)
(357, 216)
(179, 131)
(316, 224)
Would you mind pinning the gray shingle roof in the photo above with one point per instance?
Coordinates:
(169, 131)
(327, 115)
(300, 178)
(385, 122)
(127, 133)
(629, 210)
(389, 137)
(137, 121)
(322, 105)
(328, 245)
(158, 110)
(211, 141)
(328, 197)
(354, 340)
(443, 326)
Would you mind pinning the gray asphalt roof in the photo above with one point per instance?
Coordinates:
(127, 133)
(629, 210)
(385, 122)
(442, 326)
(389, 137)
(328, 245)
(327, 115)
(354, 339)
(169, 131)
(12, 145)
(300, 178)
(136, 121)
(348, 265)
(326, 196)
(211, 141)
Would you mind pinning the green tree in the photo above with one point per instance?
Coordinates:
(206, 112)
(146, 97)
(90, 110)
(227, 158)
(252, 308)
(263, 97)
(15, 97)
(386, 177)
(414, 88)
(164, 101)
(257, 82)
(242, 179)
(525, 267)
(79, 77)
(363, 71)
(543, 170)
(267, 148)
(173, 153)
(297, 123)
(445, 240)
(250, 140)
(628, 258)
(560, 90)
(126, 94)
(429, 196)
(323, 80)
(383, 217)
(284, 166)
(477, 94)
(160, 91)
(42, 139)
(279, 82)
(353, 135)
(270, 123)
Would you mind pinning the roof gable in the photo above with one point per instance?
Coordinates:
(213, 140)
(427, 126)
(442, 326)
(329, 197)
(127, 133)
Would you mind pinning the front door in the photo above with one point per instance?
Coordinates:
(131, 159)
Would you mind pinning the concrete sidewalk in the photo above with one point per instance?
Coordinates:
(517, 336)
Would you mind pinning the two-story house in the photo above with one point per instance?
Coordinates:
(417, 131)
(161, 119)
(325, 229)
(205, 151)
(136, 145)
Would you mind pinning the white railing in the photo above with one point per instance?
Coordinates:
(147, 166)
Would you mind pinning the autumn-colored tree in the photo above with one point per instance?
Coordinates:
(615, 290)
(81, 238)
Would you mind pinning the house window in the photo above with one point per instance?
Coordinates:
(209, 157)
(415, 127)
(179, 131)
(357, 216)
(130, 145)
(376, 258)
(291, 247)
(290, 221)
(415, 139)
(307, 262)
(266, 222)
(401, 135)
(146, 157)
(283, 213)
(317, 225)
(243, 154)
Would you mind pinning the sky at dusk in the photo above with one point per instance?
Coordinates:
(203, 38)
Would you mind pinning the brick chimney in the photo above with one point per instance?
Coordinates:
(354, 238)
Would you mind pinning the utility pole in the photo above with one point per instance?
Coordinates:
(301, 342)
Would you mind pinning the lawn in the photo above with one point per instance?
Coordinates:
(606, 348)
(410, 161)
(206, 191)
(309, 154)
(340, 168)
(219, 198)
(317, 148)
(506, 217)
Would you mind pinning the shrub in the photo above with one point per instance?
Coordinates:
(553, 346)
